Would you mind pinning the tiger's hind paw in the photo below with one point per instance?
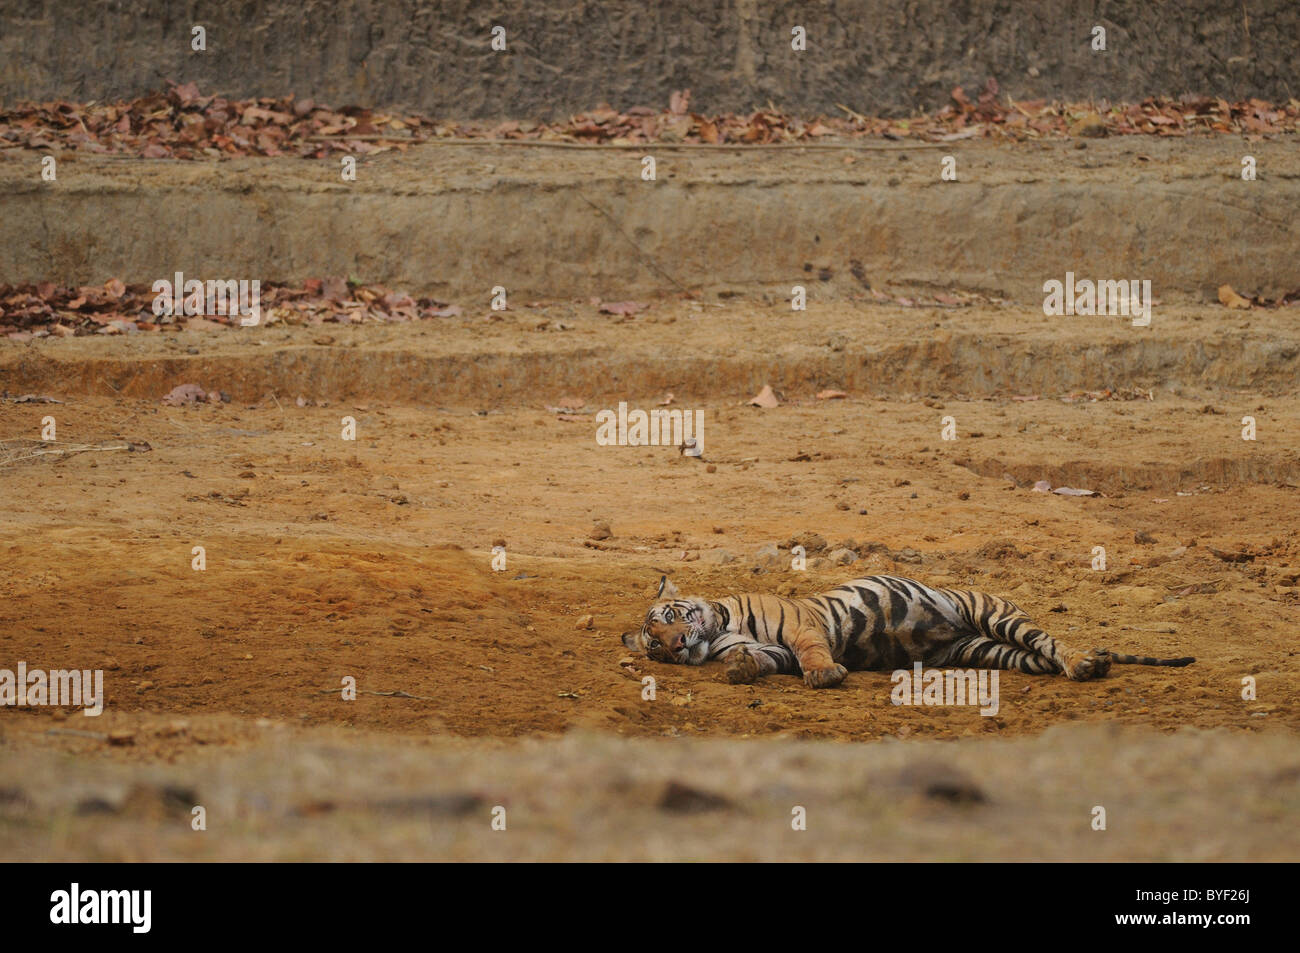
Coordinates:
(1081, 666)
(742, 667)
(825, 677)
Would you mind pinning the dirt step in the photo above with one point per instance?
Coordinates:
(457, 222)
(1160, 476)
(491, 361)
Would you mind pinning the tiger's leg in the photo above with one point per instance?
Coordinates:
(813, 651)
(1017, 629)
(749, 662)
(980, 651)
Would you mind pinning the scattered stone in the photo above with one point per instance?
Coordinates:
(1231, 557)
(1144, 538)
(907, 555)
(601, 531)
(438, 805)
(842, 557)
(812, 543)
(718, 557)
(681, 798)
(586, 622)
(157, 801)
(14, 798)
(996, 549)
(94, 805)
(941, 782)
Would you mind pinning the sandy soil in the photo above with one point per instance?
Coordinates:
(372, 558)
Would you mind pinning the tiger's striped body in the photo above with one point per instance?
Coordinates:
(877, 622)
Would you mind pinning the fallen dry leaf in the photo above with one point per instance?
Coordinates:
(185, 394)
(1233, 300)
(180, 123)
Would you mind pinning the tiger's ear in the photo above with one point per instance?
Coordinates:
(666, 589)
(630, 640)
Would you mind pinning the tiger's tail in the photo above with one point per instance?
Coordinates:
(1120, 659)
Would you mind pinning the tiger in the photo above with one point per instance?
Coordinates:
(873, 623)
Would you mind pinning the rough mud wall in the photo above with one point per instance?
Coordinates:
(887, 56)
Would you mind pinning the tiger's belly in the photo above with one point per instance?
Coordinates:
(887, 623)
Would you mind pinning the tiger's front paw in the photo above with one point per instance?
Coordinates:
(1081, 666)
(742, 667)
(825, 677)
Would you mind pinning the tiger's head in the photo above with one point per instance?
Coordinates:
(676, 629)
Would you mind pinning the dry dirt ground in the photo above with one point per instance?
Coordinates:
(371, 558)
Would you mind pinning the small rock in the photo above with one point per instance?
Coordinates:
(812, 543)
(585, 622)
(94, 805)
(941, 782)
(681, 798)
(1143, 537)
(842, 557)
(719, 557)
(601, 531)
(14, 798)
(454, 804)
(157, 801)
